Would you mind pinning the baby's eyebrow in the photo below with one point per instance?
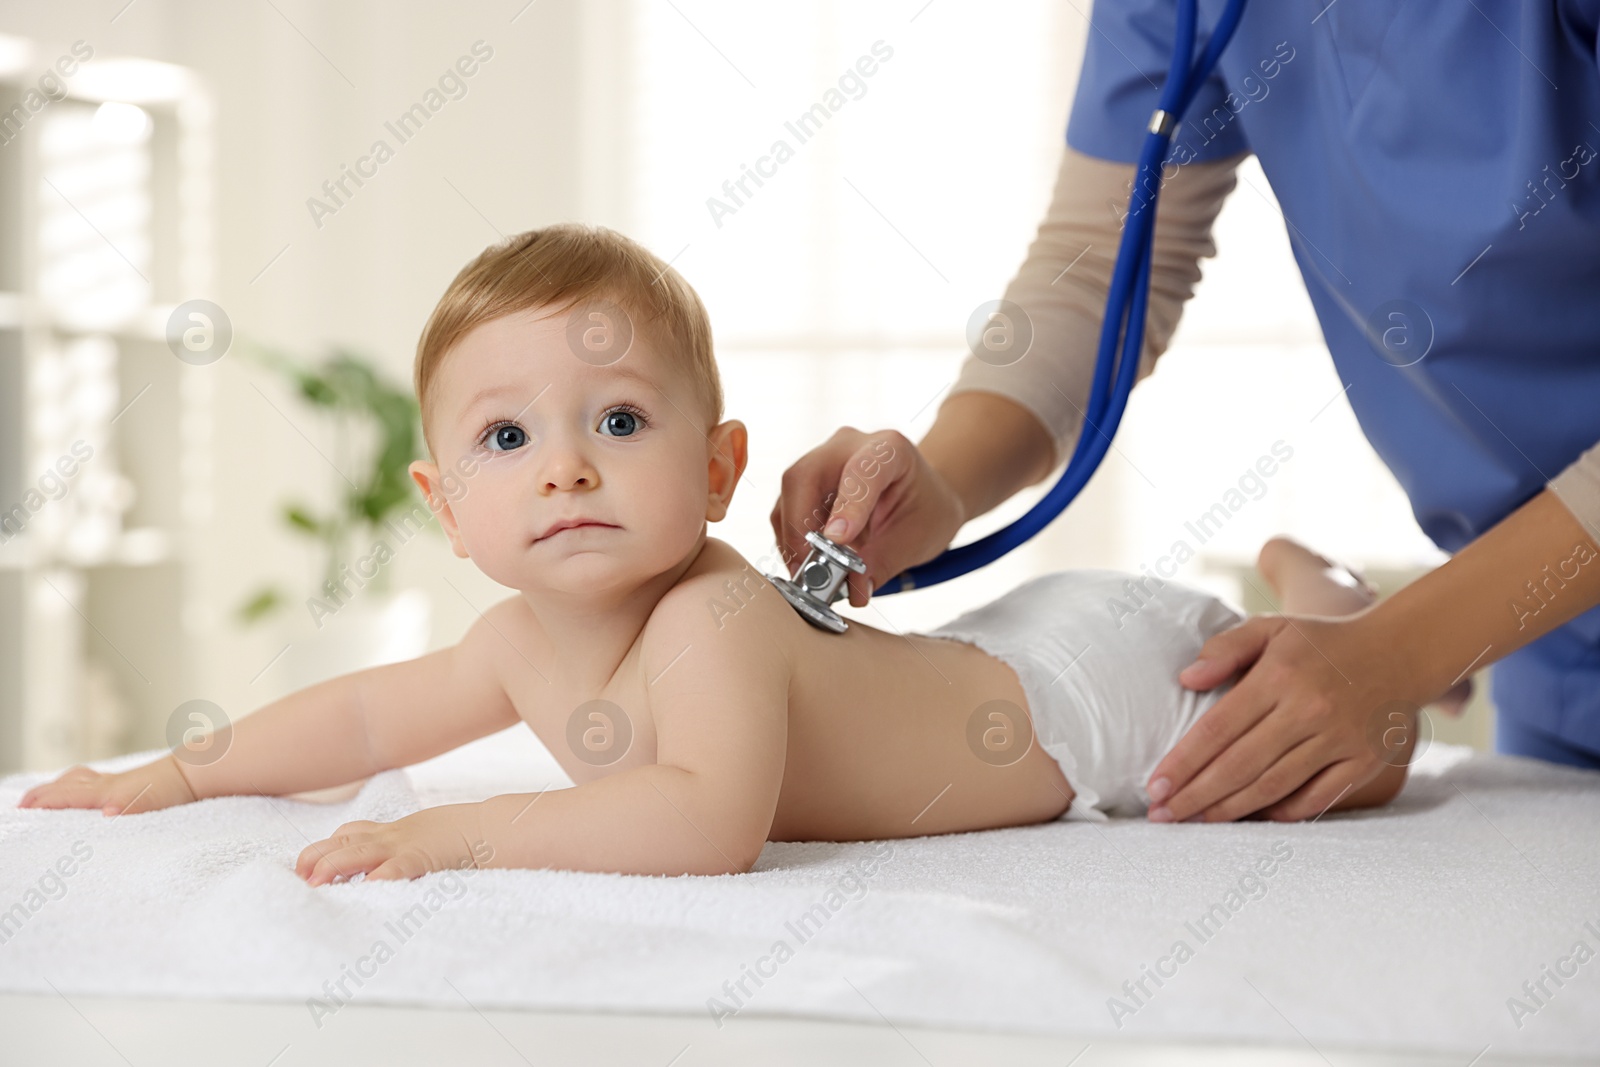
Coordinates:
(635, 375)
(492, 391)
(488, 393)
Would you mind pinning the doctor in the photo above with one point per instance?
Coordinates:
(1439, 172)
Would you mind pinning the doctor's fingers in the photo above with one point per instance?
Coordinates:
(898, 536)
(1230, 651)
(803, 502)
(860, 586)
(1287, 770)
(1325, 789)
(1213, 760)
(880, 463)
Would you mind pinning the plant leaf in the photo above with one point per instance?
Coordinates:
(264, 603)
(300, 519)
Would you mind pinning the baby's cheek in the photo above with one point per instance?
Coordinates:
(678, 514)
(493, 533)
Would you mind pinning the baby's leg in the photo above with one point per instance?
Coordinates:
(1309, 584)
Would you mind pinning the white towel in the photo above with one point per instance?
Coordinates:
(1414, 926)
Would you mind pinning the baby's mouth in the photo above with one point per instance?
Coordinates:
(577, 528)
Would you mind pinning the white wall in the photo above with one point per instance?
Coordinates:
(554, 127)
(297, 94)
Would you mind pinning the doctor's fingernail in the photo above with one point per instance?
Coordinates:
(1160, 789)
(1161, 814)
(835, 528)
(1199, 664)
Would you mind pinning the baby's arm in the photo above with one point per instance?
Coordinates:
(327, 734)
(719, 701)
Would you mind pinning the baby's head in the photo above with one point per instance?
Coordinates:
(567, 373)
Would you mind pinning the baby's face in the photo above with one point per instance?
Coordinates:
(527, 435)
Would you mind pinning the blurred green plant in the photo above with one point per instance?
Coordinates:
(376, 426)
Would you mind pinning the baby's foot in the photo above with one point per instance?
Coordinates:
(1306, 581)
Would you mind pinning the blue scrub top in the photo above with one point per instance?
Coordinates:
(1438, 166)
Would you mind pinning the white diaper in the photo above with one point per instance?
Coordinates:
(1098, 653)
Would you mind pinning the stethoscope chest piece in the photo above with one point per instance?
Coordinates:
(820, 581)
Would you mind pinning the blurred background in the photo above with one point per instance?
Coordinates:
(212, 280)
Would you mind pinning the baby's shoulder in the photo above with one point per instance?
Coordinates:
(506, 622)
(711, 599)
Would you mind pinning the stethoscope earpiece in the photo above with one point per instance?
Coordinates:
(820, 581)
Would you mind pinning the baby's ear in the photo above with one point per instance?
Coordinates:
(434, 490)
(727, 459)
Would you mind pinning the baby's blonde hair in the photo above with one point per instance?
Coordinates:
(558, 268)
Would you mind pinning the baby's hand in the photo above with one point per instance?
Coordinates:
(433, 839)
(148, 788)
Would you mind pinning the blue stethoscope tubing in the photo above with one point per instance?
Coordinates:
(1126, 303)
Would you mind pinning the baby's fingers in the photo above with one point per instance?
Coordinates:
(345, 863)
(77, 788)
(309, 856)
(398, 869)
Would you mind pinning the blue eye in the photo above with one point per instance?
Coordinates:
(622, 422)
(506, 438)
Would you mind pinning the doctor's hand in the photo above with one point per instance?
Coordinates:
(874, 492)
(1296, 732)
(1309, 718)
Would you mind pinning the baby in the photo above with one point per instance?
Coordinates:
(573, 413)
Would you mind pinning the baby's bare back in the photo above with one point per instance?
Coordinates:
(882, 740)
(896, 736)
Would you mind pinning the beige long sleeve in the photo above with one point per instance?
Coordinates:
(1062, 284)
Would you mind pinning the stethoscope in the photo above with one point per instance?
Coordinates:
(822, 577)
